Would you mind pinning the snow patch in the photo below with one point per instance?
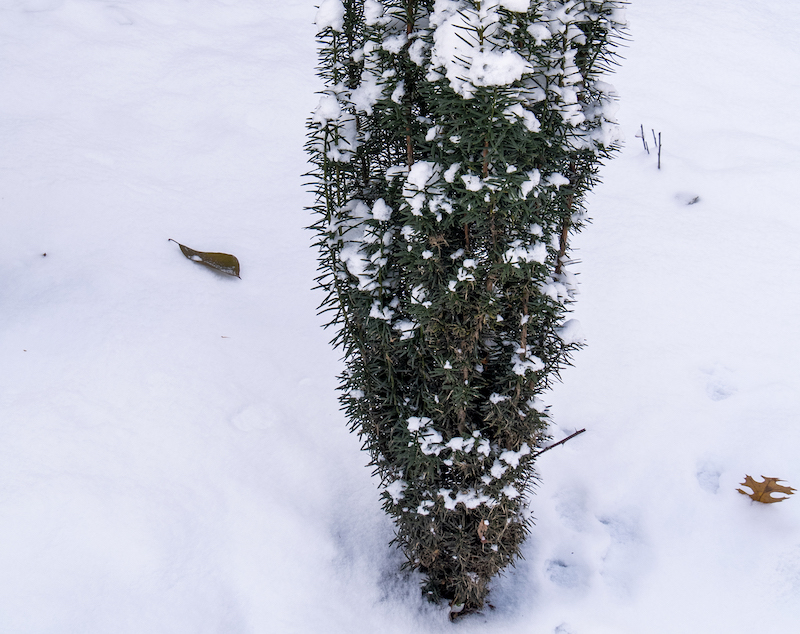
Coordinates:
(571, 332)
(396, 490)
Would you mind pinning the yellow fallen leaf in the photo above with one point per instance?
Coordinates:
(762, 490)
(223, 262)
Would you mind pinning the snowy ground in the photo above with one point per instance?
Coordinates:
(172, 458)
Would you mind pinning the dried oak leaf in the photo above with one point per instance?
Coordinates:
(483, 526)
(223, 262)
(762, 490)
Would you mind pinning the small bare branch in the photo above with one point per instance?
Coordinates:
(560, 442)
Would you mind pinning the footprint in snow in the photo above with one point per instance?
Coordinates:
(719, 384)
(564, 574)
(571, 506)
(708, 477)
(622, 530)
(628, 556)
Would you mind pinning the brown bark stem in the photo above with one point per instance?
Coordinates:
(562, 242)
(560, 442)
(563, 239)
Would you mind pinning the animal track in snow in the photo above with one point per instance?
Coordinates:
(566, 574)
(628, 557)
(571, 506)
(719, 384)
(622, 530)
(708, 477)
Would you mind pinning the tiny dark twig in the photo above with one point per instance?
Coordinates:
(560, 442)
(641, 136)
(657, 142)
(659, 150)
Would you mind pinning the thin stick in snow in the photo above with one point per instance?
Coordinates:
(561, 442)
(659, 150)
(641, 136)
(657, 144)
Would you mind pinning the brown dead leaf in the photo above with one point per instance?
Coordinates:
(437, 241)
(483, 526)
(762, 490)
(223, 262)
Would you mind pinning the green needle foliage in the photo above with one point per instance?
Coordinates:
(453, 147)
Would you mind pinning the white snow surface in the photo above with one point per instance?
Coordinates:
(172, 456)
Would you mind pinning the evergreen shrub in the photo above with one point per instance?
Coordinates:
(453, 147)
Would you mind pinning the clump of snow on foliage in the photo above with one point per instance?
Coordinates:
(463, 50)
(516, 5)
(330, 15)
(571, 332)
(396, 490)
